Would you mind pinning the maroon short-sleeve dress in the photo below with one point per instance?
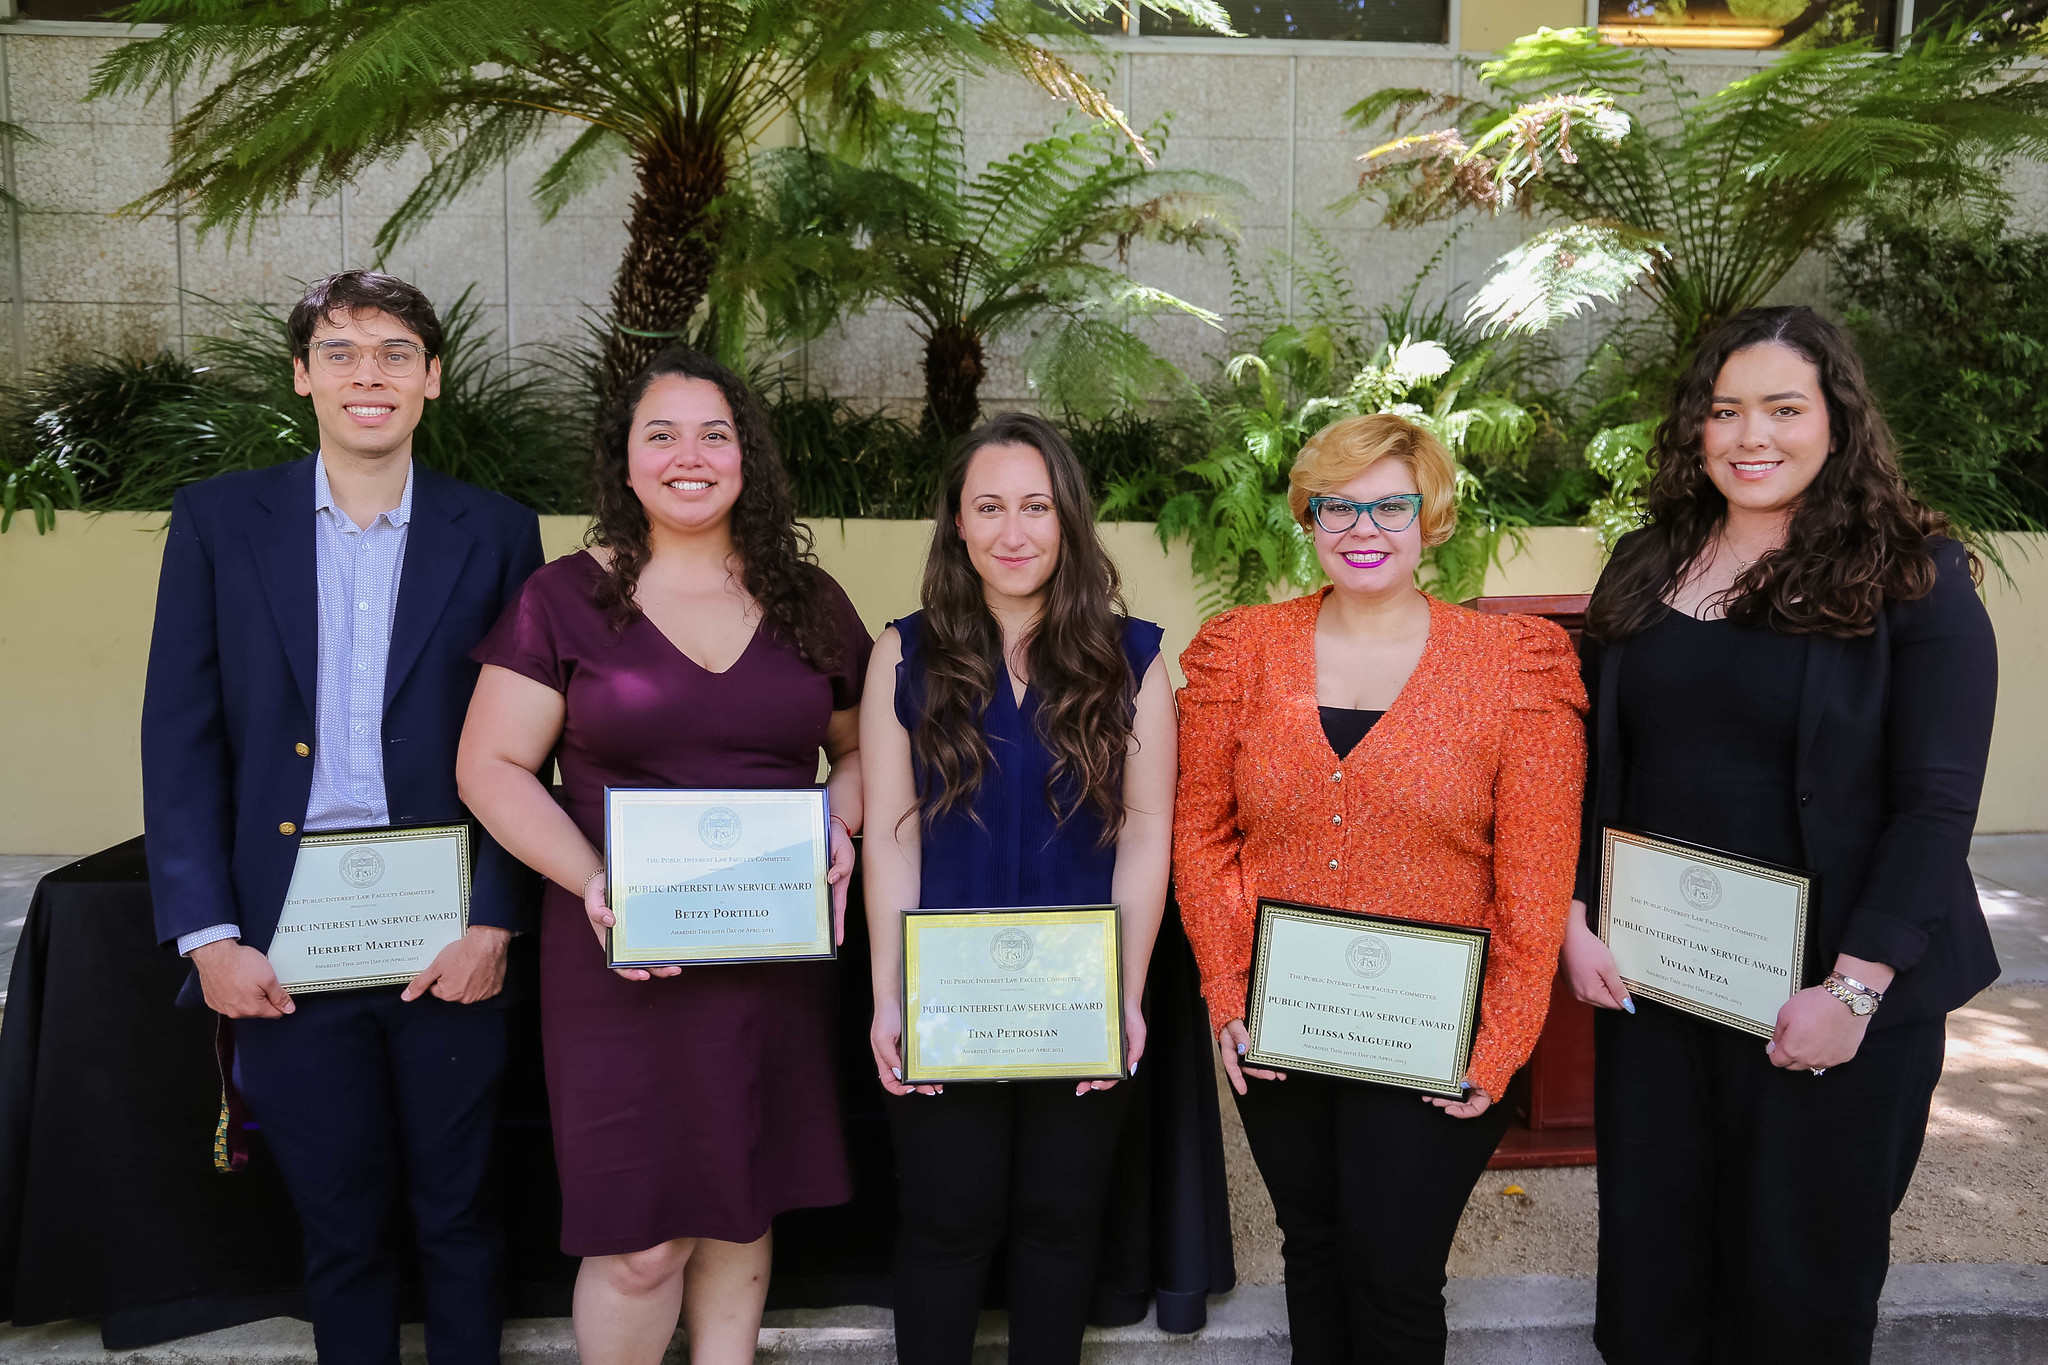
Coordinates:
(699, 1105)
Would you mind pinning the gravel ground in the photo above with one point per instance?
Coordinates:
(1980, 1194)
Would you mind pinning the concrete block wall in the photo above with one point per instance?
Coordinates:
(76, 280)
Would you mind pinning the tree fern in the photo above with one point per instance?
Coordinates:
(1704, 202)
(301, 97)
(1036, 241)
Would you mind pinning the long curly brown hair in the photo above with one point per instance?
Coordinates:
(1857, 538)
(1074, 656)
(776, 565)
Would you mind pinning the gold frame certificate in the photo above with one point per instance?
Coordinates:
(1703, 931)
(371, 907)
(702, 876)
(1013, 995)
(1371, 998)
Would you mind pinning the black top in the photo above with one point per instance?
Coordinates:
(1344, 726)
(1887, 751)
(1717, 704)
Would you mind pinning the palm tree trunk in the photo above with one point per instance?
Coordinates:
(671, 242)
(953, 370)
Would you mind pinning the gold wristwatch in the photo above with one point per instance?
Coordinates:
(1861, 999)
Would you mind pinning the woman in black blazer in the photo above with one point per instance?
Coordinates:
(1789, 663)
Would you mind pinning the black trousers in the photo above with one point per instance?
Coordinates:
(362, 1097)
(1368, 1184)
(1745, 1210)
(1027, 1158)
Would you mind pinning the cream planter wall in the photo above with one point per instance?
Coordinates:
(76, 606)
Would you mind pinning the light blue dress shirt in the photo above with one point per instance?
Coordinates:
(358, 569)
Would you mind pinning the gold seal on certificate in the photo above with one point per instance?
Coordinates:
(1394, 1001)
(716, 876)
(1706, 932)
(1012, 995)
(371, 907)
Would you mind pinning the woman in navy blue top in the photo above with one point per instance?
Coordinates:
(1023, 754)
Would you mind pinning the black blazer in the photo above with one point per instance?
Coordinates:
(1894, 730)
(227, 713)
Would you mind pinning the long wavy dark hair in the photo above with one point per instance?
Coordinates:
(1074, 656)
(1857, 538)
(776, 565)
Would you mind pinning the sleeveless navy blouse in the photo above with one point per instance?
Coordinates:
(1018, 853)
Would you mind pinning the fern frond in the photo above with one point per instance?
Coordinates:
(1558, 273)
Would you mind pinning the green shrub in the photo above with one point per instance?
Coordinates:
(67, 432)
(112, 434)
(1953, 330)
(1134, 458)
(845, 461)
(1296, 370)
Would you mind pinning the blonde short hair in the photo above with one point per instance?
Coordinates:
(1342, 450)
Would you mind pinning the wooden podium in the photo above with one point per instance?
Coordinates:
(1553, 1125)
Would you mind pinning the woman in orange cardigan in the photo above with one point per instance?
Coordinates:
(1369, 748)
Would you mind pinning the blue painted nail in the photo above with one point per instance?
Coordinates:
(1240, 1049)
(1134, 1068)
(1628, 1002)
(896, 1071)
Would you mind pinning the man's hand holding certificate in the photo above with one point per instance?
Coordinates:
(371, 907)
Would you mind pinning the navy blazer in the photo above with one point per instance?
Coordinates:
(227, 716)
(1894, 733)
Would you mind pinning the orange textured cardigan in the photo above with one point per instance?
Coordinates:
(1460, 806)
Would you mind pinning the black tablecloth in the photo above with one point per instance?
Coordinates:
(110, 1206)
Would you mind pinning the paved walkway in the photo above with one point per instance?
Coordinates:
(18, 878)
(1931, 1315)
(2012, 885)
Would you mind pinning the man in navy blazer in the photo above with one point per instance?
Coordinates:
(310, 671)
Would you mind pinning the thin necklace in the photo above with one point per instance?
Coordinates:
(1741, 564)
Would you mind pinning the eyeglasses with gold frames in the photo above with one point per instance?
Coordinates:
(396, 359)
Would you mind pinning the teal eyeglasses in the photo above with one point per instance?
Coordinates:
(1391, 514)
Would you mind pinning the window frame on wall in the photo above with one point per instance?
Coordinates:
(1133, 38)
(1902, 27)
(11, 11)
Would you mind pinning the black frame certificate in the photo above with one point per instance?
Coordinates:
(371, 907)
(1024, 994)
(1368, 997)
(717, 875)
(1704, 931)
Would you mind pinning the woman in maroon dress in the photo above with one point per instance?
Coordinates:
(694, 644)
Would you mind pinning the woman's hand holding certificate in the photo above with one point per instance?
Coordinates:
(1703, 931)
(839, 875)
(724, 875)
(1234, 1041)
(1367, 997)
(599, 911)
(1013, 994)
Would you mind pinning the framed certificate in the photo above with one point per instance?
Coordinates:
(371, 907)
(1013, 995)
(1393, 1001)
(696, 877)
(1703, 931)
